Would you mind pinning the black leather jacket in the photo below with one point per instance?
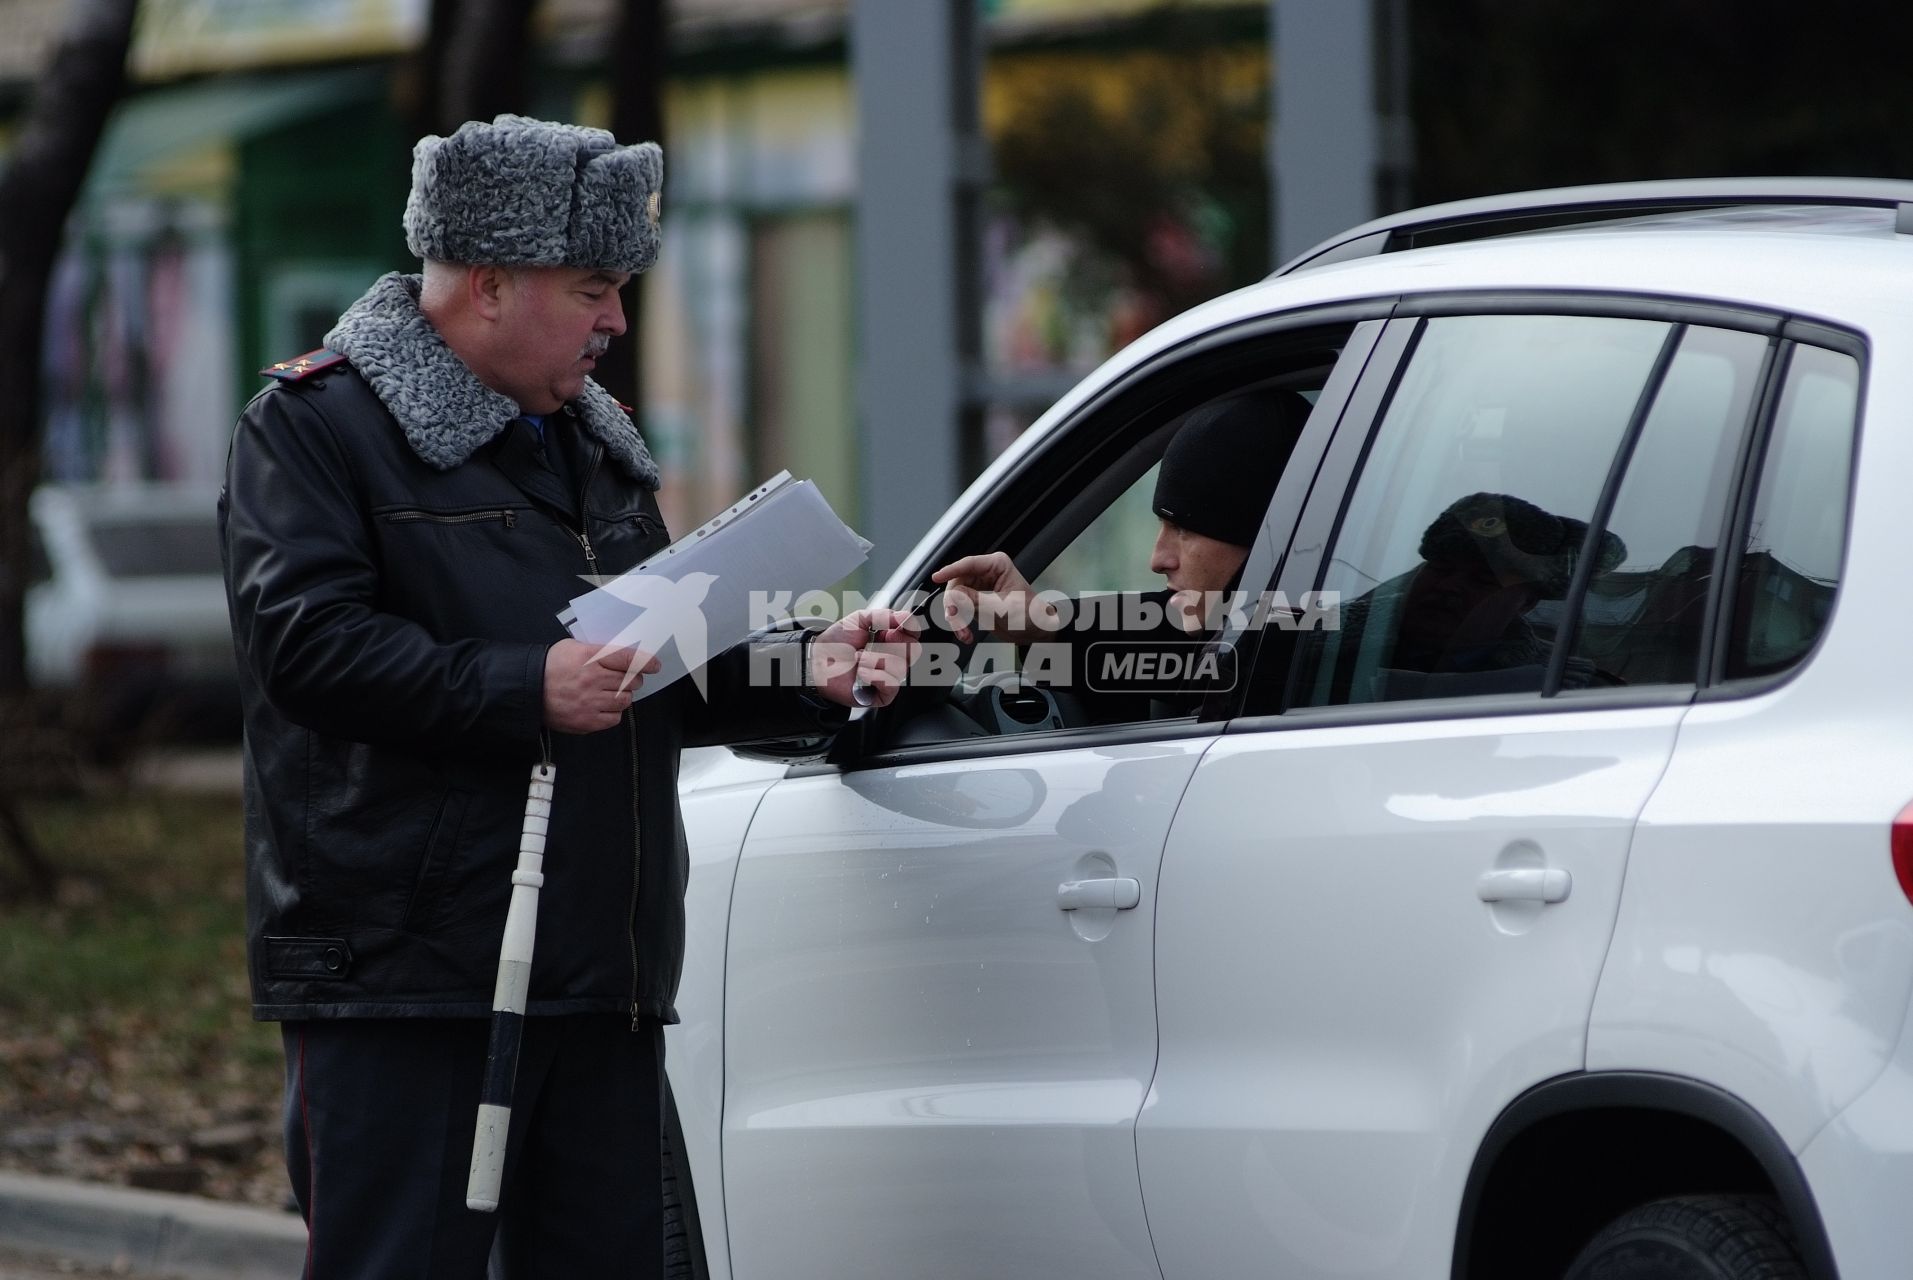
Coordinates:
(391, 620)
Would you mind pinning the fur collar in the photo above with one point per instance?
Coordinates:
(445, 412)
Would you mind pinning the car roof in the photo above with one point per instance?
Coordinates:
(1687, 200)
(1814, 269)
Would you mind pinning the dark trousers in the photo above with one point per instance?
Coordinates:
(379, 1121)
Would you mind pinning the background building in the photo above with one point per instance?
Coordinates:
(249, 187)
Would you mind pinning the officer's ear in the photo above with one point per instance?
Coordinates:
(488, 288)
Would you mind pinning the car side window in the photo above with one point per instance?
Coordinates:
(157, 546)
(1112, 554)
(1790, 563)
(1471, 513)
(1111, 644)
(1114, 601)
(1642, 618)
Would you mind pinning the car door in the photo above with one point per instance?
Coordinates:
(1387, 894)
(940, 1009)
(933, 1067)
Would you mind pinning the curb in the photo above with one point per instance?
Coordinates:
(150, 1231)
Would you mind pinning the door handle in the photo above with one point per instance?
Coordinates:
(1120, 893)
(1524, 884)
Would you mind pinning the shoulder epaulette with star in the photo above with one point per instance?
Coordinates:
(304, 366)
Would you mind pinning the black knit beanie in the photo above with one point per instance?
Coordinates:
(1220, 469)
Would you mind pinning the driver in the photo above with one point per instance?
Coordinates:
(1213, 487)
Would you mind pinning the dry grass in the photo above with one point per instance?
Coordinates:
(127, 1052)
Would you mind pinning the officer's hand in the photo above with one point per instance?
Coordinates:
(589, 686)
(871, 650)
(988, 592)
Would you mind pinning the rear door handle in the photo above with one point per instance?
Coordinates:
(1524, 884)
(1120, 893)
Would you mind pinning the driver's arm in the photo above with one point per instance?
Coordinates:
(989, 593)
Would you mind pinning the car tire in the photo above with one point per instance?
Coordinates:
(1693, 1238)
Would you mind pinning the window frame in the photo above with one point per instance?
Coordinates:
(1358, 427)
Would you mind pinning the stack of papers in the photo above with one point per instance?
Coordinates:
(712, 588)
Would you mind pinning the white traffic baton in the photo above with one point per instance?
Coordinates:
(508, 999)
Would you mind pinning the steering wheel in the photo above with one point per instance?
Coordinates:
(1005, 703)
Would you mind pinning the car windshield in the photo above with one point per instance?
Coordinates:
(149, 547)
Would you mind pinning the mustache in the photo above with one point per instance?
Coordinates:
(599, 344)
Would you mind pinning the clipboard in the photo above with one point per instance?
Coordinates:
(730, 577)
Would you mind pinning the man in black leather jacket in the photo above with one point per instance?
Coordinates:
(405, 513)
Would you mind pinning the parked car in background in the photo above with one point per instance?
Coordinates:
(126, 611)
(1550, 915)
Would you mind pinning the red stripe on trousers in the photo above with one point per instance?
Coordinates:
(312, 1159)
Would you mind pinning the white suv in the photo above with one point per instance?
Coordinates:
(1534, 921)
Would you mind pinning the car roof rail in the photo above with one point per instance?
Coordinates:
(1486, 217)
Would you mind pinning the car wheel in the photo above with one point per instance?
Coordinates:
(1693, 1238)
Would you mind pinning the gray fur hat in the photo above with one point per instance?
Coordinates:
(523, 192)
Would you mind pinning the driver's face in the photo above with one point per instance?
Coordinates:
(1194, 563)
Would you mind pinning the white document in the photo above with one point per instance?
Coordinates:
(706, 591)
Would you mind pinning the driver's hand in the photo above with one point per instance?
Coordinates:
(869, 651)
(990, 593)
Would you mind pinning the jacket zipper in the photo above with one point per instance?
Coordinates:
(637, 843)
(637, 849)
(463, 517)
(583, 538)
(631, 723)
(591, 557)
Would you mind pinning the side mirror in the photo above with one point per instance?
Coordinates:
(789, 750)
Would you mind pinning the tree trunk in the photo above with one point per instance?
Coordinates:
(43, 881)
(422, 83)
(636, 68)
(487, 63)
(40, 184)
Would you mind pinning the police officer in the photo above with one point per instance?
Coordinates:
(405, 513)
